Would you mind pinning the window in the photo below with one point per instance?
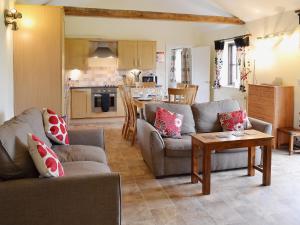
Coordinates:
(230, 75)
(178, 65)
(232, 65)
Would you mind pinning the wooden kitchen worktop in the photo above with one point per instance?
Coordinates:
(83, 87)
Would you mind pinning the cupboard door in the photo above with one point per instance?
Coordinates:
(76, 53)
(127, 54)
(79, 103)
(146, 55)
(38, 59)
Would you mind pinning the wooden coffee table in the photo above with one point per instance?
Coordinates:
(206, 142)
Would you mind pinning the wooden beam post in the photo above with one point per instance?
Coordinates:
(133, 14)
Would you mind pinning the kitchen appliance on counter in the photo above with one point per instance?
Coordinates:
(104, 99)
(150, 78)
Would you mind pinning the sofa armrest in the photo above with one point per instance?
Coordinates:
(152, 146)
(261, 126)
(94, 137)
(76, 200)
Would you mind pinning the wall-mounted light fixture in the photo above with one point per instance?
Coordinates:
(10, 18)
(298, 12)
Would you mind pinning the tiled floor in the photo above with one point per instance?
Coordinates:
(235, 198)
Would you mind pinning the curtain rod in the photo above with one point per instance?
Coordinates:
(226, 39)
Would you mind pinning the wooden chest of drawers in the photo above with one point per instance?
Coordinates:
(273, 104)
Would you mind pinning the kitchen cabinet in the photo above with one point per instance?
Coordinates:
(79, 103)
(76, 53)
(146, 55)
(137, 55)
(127, 54)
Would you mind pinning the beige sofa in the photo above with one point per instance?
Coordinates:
(89, 193)
(168, 156)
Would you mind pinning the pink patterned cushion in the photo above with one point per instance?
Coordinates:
(168, 123)
(236, 120)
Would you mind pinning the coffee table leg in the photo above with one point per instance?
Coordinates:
(206, 171)
(195, 163)
(251, 161)
(267, 159)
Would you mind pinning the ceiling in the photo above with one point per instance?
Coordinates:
(246, 10)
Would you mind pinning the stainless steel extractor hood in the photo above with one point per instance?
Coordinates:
(103, 52)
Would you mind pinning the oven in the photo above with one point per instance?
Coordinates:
(104, 99)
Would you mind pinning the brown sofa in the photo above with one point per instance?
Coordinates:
(168, 156)
(89, 193)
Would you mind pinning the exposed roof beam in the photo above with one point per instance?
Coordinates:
(133, 14)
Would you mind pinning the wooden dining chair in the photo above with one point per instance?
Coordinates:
(124, 102)
(130, 131)
(181, 95)
(195, 87)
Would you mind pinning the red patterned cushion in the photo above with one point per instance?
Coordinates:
(55, 127)
(44, 158)
(168, 123)
(236, 120)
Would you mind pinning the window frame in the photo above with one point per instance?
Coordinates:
(232, 65)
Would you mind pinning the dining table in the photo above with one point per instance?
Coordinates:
(140, 103)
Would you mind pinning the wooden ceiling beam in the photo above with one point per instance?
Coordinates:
(133, 14)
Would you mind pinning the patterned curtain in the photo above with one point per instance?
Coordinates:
(172, 77)
(186, 65)
(242, 44)
(219, 47)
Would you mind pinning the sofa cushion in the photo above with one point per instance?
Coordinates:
(45, 160)
(234, 121)
(188, 124)
(55, 127)
(84, 168)
(178, 147)
(168, 123)
(34, 118)
(206, 114)
(15, 161)
(68, 153)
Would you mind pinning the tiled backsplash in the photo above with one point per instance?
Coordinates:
(101, 71)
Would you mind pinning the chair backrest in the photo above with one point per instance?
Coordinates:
(145, 84)
(181, 95)
(195, 87)
(181, 85)
(130, 108)
(123, 97)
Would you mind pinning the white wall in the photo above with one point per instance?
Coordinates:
(6, 65)
(167, 34)
(275, 58)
